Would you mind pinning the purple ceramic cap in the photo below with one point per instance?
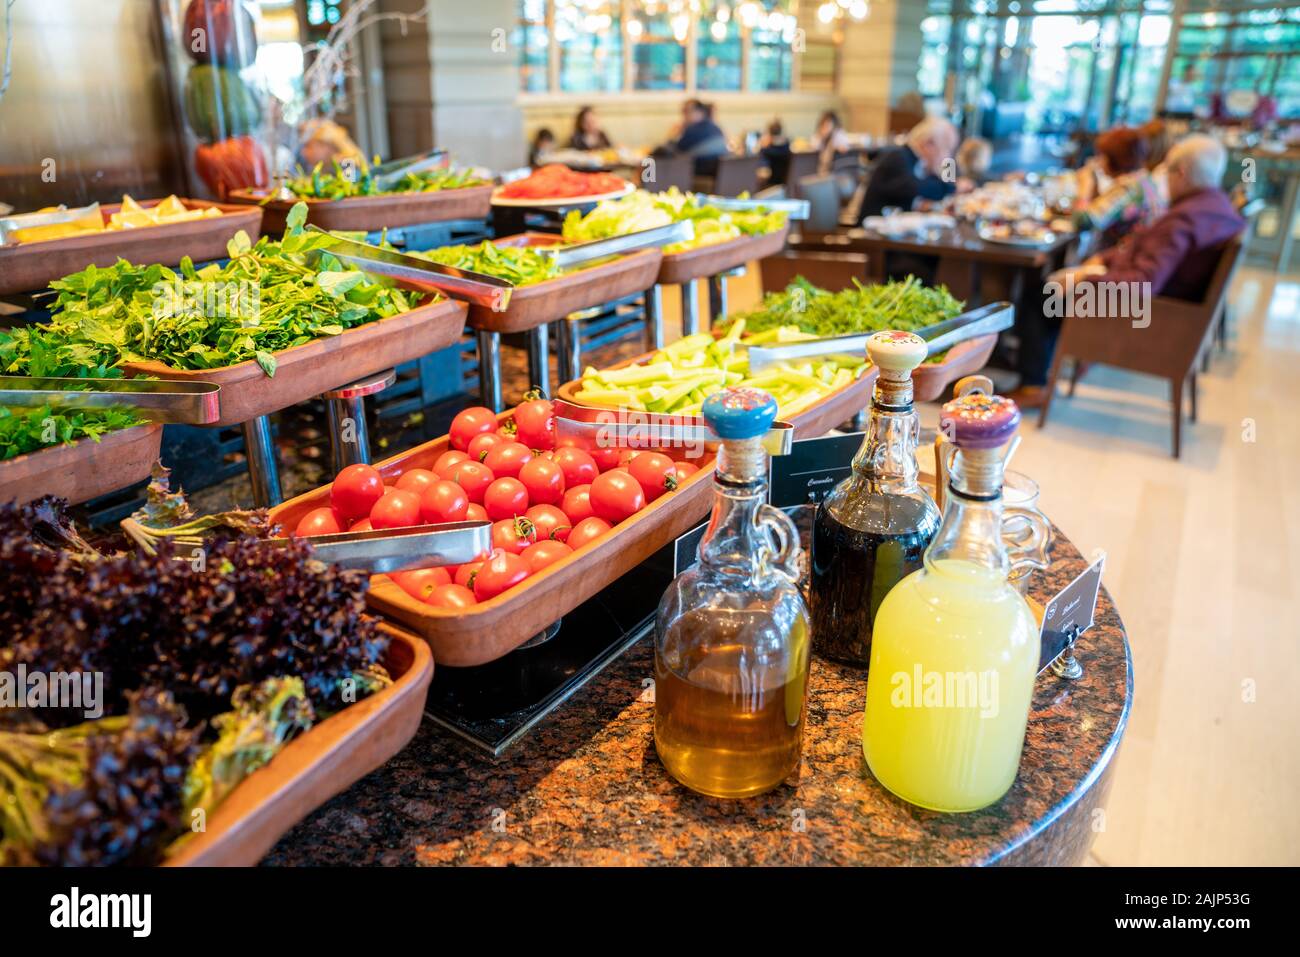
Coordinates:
(978, 421)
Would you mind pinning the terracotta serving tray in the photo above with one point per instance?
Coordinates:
(711, 260)
(84, 469)
(373, 213)
(316, 766)
(306, 371)
(28, 267)
(543, 302)
(492, 629)
(929, 382)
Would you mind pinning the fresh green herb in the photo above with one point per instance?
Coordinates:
(521, 265)
(343, 184)
(28, 430)
(642, 210)
(270, 296)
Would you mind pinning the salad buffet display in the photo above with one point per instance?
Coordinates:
(224, 640)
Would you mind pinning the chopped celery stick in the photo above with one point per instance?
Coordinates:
(637, 375)
(688, 345)
(607, 397)
(792, 334)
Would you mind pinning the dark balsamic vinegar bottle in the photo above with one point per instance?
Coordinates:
(872, 530)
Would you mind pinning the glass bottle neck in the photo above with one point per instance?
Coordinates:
(887, 459)
(972, 516)
(733, 541)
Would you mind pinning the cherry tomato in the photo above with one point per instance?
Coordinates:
(587, 530)
(616, 495)
(655, 473)
(474, 478)
(506, 458)
(684, 470)
(513, 534)
(447, 462)
(482, 443)
(465, 574)
(549, 521)
(444, 501)
(476, 513)
(321, 521)
(421, 582)
(361, 525)
(578, 467)
(451, 596)
(535, 423)
(397, 509)
(503, 571)
(471, 422)
(355, 491)
(577, 504)
(416, 480)
(542, 554)
(606, 458)
(544, 481)
(505, 498)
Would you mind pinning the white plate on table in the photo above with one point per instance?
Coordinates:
(498, 200)
(990, 234)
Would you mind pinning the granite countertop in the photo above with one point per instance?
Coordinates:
(586, 787)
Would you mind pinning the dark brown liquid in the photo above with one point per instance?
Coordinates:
(853, 570)
(729, 717)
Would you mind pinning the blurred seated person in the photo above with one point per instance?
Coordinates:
(699, 137)
(915, 171)
(974, 157)
(543, 143)
(774, 147)
(323, 141)
(829, 140)
(1156, 133)
(1175, 256)
(587, 134)
(1132, 199)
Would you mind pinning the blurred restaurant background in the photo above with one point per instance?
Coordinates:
(813, 100)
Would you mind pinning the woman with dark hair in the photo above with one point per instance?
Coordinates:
(1128, 196)
(829, 139)
(587, 134)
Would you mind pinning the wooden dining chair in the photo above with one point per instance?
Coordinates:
(1170, 347)
(736, 175)
(802, 165)
(667, 171)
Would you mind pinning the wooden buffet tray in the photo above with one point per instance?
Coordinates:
(543, 302)
(28, 267)
(84, 469)
(930, 381)
(306, 371)
(710, 260)
(495, 627)
(311, 769)
(373, 213)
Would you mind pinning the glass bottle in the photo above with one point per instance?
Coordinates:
(872, 530)
(731, 633)
(955, 649)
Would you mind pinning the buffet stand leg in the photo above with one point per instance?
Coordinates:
(569, 348)
(489, 369)
(654, 318)
(690, 307)
(345, 408)
(263, 465)
(539, 360)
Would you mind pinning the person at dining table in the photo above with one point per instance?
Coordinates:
(1175, 256)
(923, 168)
(587, 134)
(699, 137)
(1132, 197)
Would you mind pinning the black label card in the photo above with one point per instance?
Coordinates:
(684, 552)
(812, 469)
(1072, 608)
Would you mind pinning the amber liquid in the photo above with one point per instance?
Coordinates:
(729, 701)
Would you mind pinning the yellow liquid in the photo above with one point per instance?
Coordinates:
(953, 661)
(729, 716)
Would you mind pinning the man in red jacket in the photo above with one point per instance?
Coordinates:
(1175, 256)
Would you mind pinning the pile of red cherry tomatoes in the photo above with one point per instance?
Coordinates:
(545, 499)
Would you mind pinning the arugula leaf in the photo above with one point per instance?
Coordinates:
(266, 361)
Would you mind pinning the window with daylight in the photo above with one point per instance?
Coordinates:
(589, 41)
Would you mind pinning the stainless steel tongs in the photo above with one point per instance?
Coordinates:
(159, 400)
(793, 208)
(568, 256)
(401, 549)
(387, 175)
(632, 429)
(993, 317)
(421, 275)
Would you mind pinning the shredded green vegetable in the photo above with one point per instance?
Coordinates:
(521, 265)
(642, 210)
(340, 184)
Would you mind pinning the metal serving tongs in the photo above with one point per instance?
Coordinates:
(793, 208)
(159, 400)
(401, 549)
(632, 429)
(387, 175)
(421, 275)
(994, 317)
(568, 256)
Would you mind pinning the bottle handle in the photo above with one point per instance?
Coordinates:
(1030, 543)
(784, 537)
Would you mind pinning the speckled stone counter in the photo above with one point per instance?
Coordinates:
(587, 788)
